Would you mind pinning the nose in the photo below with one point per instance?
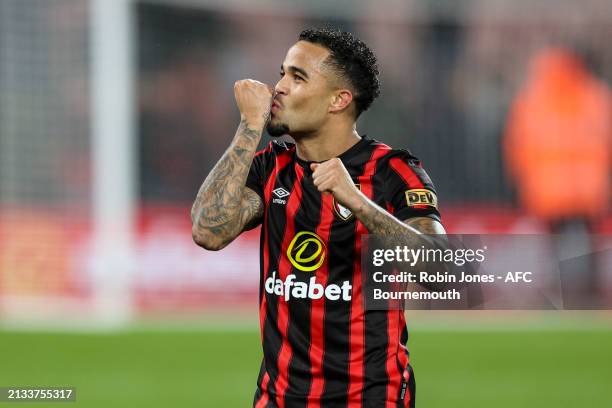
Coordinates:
(280, 87)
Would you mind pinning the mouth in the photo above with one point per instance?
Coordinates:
(275, 107)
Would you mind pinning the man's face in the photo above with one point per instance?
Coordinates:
(303, 93)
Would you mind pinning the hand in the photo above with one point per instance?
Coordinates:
(254, 99)
(332, 177)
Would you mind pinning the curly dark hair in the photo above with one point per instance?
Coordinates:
(352, 60)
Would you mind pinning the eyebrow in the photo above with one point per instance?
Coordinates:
(293, 69)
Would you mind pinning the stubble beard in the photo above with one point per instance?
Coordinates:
(277, 129)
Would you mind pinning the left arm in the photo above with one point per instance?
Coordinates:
(332, 177)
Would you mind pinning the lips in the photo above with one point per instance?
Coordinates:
(275, 106)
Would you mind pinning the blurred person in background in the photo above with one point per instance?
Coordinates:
(558, 152)
(315, 199)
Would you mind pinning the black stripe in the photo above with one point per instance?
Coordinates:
(401, 368)
(376, 324)
(270, 404)
(337, 315)
(412, 387)
(262, 372)
(376, 343)
(336, 321)
(307, 218)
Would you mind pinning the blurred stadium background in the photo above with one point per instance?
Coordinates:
(113, 111)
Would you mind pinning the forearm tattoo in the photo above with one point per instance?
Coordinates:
(415, 233)
(223, 206)
(380, 222)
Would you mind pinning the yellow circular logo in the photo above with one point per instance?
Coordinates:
(306, 251)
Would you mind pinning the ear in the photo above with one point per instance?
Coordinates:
(340, 100)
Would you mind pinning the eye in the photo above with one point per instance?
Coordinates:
(298, 78)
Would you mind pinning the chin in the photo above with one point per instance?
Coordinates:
(276, 129)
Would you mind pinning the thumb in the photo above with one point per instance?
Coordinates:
(313, 166)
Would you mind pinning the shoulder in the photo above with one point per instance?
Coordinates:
(396, 156)
(393, 157)
(275, 148)
(401, 165)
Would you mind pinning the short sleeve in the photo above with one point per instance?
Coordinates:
(409, 190)
(256, 176)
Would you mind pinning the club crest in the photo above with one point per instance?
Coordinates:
(341, 211)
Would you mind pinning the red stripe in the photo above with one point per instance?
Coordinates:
(264, 395)
(394, 375)
(406, 173)
(411, 179)
(262, 151)
(284, 267)
(393, 333)
(356, 335)
(396, 351)
(317, 339)
(281, 162)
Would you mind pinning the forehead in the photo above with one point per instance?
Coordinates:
(306, 55)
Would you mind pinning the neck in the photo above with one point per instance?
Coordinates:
(326, 143)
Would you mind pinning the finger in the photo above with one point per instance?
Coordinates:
(321, 168)
(325, 183)
(313, 166)
(319, 181)
(319, 178)
(325, 187)
(318, 170)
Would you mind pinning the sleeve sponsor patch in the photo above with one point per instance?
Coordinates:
(421, 196)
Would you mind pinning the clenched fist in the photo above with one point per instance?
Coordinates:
(253, 99)
(332, 177)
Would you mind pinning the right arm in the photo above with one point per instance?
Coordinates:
(224, 207)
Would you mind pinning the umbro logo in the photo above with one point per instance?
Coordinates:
(280, 193)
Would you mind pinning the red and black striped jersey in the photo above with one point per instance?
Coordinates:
(321, 347)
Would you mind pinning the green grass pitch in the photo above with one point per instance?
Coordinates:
(529, 367)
